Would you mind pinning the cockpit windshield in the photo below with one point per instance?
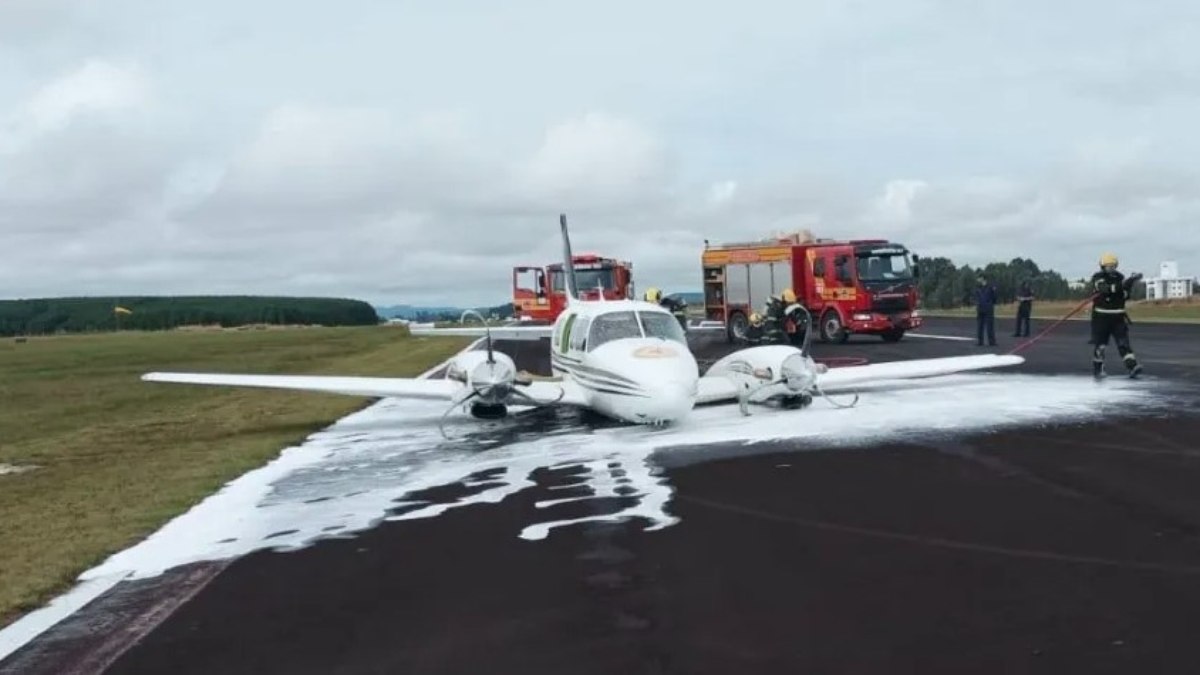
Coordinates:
(662, 325)
(621, 325)
(883, 265)
(613, 326)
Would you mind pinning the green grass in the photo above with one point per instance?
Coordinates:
(1177, 312)
(120, 457)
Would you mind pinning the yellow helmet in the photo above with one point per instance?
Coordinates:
(789, 296)
(1108, 259)
(755, 319)
(653, 295)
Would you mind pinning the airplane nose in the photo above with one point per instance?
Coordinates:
(671, 401)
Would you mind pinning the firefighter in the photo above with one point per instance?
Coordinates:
(1024, 309)
(777, 305)
(678, 308)
(1110, 290)
(985, 311)
(755, 331)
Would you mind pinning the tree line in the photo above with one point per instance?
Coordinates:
(80, 315)
(944, 285)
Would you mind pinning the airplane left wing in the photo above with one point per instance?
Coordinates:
(373, 387)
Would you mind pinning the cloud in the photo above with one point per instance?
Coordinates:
(408, 154)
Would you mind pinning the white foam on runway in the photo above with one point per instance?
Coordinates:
(362, 470)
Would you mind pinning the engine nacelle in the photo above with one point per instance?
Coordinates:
(755, 368)
(472, 368)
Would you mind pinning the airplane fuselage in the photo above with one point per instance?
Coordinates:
(628, 359)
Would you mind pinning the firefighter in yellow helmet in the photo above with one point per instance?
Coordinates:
(777, 305)
(755, 330)
(653, 295)
(1110, 289)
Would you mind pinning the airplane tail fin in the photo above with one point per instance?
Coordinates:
(568, 262)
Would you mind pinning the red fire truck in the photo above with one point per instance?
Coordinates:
(539, 293)
(860, 286)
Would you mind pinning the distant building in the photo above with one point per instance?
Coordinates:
(1077, 285)
(1168, 285)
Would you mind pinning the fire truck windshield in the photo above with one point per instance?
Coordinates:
(883, 265)
(587, 280)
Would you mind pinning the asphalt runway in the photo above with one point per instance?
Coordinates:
(1046, 547)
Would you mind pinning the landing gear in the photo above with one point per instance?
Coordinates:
(489, 411)
(795, 402)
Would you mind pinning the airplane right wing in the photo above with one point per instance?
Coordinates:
(717, 388)
(836, 379)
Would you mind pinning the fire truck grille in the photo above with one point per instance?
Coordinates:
(890, 304)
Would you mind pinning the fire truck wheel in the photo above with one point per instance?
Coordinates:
(832, 329)
(893, 335)
(737, 326)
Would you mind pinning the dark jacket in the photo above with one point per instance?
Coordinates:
(672, 305)
(985, 299)
(1025, 295)
(1112, 289)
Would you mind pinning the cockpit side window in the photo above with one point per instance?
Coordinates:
(579, 335)
(613, 326)
(662, 325)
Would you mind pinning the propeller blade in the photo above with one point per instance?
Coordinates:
(453, 405)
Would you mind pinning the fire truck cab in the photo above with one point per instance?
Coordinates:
(539, 293)
(866, 286)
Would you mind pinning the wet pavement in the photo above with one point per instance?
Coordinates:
(1035, 522)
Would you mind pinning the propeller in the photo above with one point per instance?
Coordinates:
(493, 381)
(798, 373)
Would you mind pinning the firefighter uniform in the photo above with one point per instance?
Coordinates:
(755, 332)
(776, 309)
(1110, 290)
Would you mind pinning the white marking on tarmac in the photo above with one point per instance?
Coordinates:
(935, 336)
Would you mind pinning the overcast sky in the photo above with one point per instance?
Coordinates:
(417, 151)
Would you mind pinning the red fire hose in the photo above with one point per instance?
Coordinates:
(1054, 325)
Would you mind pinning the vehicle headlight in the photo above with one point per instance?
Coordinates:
(862, 317)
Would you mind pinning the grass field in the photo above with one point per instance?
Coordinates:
(118, 457)
(1176, 312)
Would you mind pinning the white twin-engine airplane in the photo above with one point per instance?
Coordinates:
(625, 359)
